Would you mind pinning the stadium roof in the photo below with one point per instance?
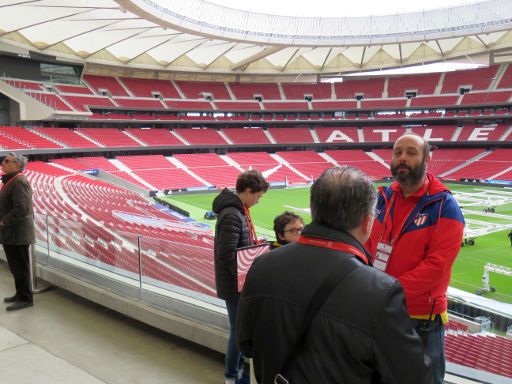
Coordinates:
(336, 8)
(196, 36)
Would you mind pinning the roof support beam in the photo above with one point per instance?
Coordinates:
(188, 50)
(479, 39)
(116, 42)
(325, 60)
(220, 55)
(153, 47)
(79, 34)
(440, 49)
(251, 59)
(45, 21)
(290, 59)
(362, 57)
(20, 3)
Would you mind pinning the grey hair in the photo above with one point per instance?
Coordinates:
(20, 159)
(342, 197)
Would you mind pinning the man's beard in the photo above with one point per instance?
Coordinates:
(414, 175)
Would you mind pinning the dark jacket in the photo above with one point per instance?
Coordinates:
(16, 211)
(231, 232)
(278, 243)
(361, 335)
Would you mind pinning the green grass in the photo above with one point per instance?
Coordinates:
(271, 204)
(467, 270)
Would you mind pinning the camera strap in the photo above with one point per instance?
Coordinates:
(427, 326)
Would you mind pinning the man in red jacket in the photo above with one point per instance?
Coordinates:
(416, 238)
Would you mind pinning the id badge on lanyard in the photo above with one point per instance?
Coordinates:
(382, 255)
(385, 246)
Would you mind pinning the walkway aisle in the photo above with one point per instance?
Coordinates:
(66, 339)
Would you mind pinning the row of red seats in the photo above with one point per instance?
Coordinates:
(56, 138)
(422, 84)
(149, 117)
(84, 103)
(487, 353)
(432, 90)
(172, 253)
(296, 167)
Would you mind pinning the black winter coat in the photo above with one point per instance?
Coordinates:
(231, 232)
(16, 212)
(362, 334)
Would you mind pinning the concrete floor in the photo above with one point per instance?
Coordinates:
(66, 339)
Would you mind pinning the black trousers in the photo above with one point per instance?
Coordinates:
(19, 264)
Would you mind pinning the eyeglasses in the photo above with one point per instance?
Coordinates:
(5, 161)
(295, 231)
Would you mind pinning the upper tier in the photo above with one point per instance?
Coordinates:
(165, 99)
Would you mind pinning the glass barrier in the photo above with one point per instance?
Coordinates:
(177, 266)
(41, 225)
(141, 263)
(178, 277)
(95, 246)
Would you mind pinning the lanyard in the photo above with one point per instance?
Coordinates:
(388, 227)
(10, 180)
(403, 225)
(336, 245)
(252, 232)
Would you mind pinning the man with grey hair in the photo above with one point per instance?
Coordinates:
(361, 333)
(17, 228)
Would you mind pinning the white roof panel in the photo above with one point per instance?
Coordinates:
(199, 33)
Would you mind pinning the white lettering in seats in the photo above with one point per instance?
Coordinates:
(338, 136)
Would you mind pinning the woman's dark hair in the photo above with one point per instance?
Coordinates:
(282, 220)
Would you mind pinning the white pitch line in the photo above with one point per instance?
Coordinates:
(305, 210)
(487, 214)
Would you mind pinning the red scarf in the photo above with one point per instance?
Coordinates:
(253, 239)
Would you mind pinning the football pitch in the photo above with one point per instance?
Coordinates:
(488, 229)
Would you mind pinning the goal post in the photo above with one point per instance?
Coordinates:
(486, 284)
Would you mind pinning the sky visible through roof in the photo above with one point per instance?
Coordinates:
(339, 8)
(356, 8)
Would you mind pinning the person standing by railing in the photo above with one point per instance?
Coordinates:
(17, 230)
(234, 230)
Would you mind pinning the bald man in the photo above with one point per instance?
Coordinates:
(416, 238)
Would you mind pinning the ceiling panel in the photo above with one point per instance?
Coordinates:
(105, 31)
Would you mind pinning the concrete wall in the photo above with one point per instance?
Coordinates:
(4, 111)
(199, 325)
(122, 183)
(206, 325)
(29, 108)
